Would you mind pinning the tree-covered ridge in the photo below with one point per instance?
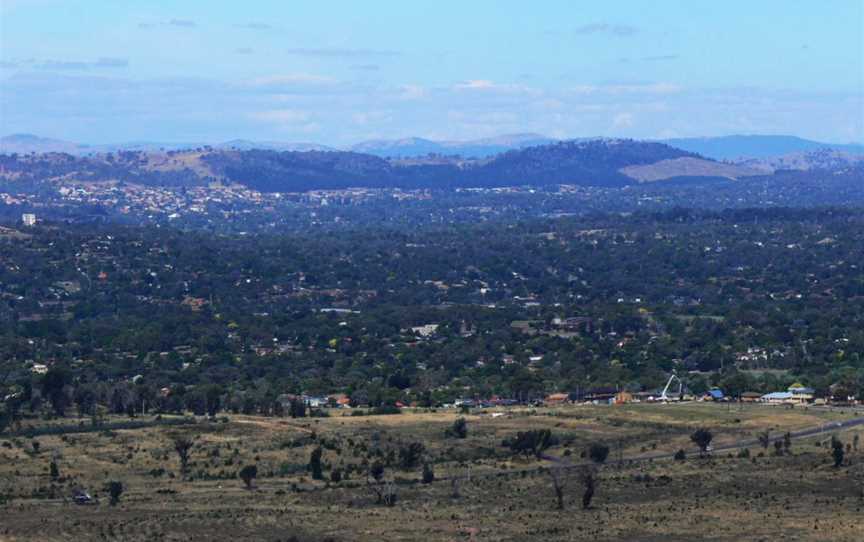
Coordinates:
(591, 163)
(543, 306)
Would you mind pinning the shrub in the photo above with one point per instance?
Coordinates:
(376, 471)
(385, 410)
(778, 447)
(297, 409)
(248, 474)
(533, 442)
(702, 438)
(598, 452)
(410, 455)
(428, 474)
(459, 429)
(837, 451)
(680, 455)
(115, 490)
(315, 464)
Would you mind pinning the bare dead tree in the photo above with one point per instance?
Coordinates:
(589, 479)
(389, 494)
(558, 475)
(384, 491)
(182, 445)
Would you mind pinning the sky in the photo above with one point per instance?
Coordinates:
(340, 72)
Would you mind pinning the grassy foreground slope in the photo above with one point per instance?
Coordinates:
(496, 495)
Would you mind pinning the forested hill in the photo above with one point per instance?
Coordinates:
(587, 163)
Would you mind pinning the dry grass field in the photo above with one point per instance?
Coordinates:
(497, 496)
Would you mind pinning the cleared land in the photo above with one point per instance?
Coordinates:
(799, 495)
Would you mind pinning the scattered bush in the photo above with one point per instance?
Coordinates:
(837, 451)
(598, 452)
(248, 475)
(115, 490)
(459, 429)
(702, 438)
(428, 474)
(411, 454)
(315, 464)
(384, 410)
(533, 442)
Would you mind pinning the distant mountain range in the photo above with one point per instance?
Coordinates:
(602, 163)
(729, 148)
(755, 146)
(822, 158)
(477, 148)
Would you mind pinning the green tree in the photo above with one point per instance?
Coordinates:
(837, 451)
(115, 490)
(248, 475)
(459, 429)
(533, 442)
(702, 437)
(598, 452)
(315, 464)
(428, 474)
(297, 409)
(411, 454)
(54, 384)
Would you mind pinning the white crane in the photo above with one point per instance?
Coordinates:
(663, 396)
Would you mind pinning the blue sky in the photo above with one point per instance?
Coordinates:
(339, 72)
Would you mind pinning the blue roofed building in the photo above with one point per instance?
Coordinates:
(716, 394)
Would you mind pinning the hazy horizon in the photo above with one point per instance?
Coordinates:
(336, 74)
(349, 144)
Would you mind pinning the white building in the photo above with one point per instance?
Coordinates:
(29, 219)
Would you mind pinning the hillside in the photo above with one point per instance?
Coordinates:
(754, 146)
(27, 143)
(820, 159)
(688, 167)
(586, 163)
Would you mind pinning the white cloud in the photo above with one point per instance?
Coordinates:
(291, 79)
(475, 84)
(623, 120)
(281, 116)
(484, 85)
(651, 88)
(411, 92)
(370, 117)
